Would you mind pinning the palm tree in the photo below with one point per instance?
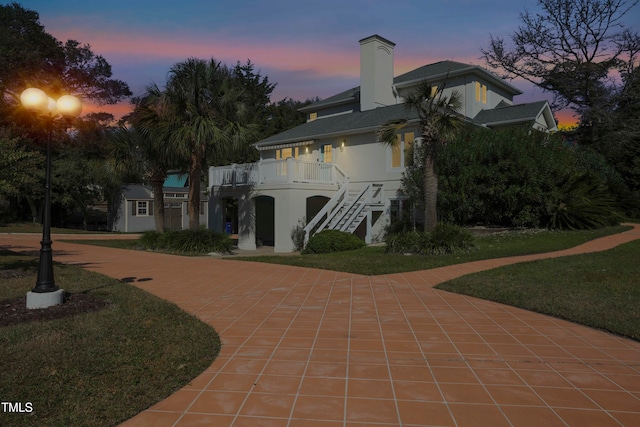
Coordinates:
(199, 112)
(136, 153)
(438, 118)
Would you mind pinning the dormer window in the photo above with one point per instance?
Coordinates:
(313, 116)
(481, 93)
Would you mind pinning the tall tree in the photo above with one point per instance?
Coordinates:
(19, 167)
(27, 53)
(134, 152)
(285, 114)
(571, 48)
(620, 143)
(200, 113)
(438, 118)
(29, 56)
(256, 92)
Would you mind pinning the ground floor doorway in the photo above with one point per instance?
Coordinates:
(265, 220)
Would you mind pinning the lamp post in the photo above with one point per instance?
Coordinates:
(46, 293)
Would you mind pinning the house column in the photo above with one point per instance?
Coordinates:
(246, 223)
(290, 206)
(216, 212)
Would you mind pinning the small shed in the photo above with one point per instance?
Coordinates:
(135, 210)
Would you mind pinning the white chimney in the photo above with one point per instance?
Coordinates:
(376, 72)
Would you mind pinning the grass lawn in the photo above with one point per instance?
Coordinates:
(600, 290)
(372, 260)
(97, 368)
(32, 227)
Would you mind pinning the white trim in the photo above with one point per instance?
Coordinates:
(146, 207)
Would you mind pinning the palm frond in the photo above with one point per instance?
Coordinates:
(387, 133)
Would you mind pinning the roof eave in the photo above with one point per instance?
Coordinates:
(509, 122)
(323, 104)
(314, 137)
(471, 68)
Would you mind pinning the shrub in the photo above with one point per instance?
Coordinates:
(513, 178)
(449, 238)
(150, 239)
(583, 203)
(297, 235)
(445, 239)
(187, 241)
(332, 241)
(406, 242)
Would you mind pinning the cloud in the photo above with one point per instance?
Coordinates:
(304, 65)
(150, 47)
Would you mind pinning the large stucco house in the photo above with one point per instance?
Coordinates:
(332, 172)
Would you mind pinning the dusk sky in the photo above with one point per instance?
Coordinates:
(308, 48)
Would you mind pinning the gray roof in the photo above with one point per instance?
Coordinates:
(345, 97)
(511, 114)
(437, 71)
(443, 69)
(136, 192)
(350, 123)
(368, 121)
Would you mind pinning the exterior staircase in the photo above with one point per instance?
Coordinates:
(346, 210)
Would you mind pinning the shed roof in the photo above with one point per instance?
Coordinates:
(137, 192)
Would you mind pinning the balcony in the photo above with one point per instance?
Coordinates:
(285, 171)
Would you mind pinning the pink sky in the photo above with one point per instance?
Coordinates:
(308, 49)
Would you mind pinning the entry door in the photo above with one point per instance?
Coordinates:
(173, 215)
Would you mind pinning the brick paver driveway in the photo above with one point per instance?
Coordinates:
(308, 347)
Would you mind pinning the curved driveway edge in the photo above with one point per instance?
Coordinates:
(308, 347)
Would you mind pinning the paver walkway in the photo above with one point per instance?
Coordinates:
(312, 348)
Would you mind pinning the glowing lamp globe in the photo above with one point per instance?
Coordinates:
(35, 100)
(69, 106)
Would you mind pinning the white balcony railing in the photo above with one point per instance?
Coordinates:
(276, 172)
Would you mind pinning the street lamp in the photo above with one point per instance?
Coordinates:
(46, 293)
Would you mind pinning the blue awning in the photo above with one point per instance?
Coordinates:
(176, 180)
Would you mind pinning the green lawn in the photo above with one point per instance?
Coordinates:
(97, 368)
(32, 227)
(601, 290)
(372, 260)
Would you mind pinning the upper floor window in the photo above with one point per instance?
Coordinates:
(400, 151)
(481, 93)
(313, 116)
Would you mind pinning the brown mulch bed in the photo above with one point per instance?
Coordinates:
(14, 311)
